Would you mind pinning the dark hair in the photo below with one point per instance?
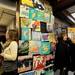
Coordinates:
(13, 35)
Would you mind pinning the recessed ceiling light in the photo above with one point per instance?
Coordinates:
(73, 14)
(71, 19)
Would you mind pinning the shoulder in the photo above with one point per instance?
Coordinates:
(13, 43)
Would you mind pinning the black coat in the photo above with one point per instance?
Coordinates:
(62, 55)
(72, 57)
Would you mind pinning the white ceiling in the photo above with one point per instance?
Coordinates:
(71, 9)
(8, 4)
(7, 12)
(73, 14)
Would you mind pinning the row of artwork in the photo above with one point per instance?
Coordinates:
(36, 25)
(34, 47)
(32, 2)
(36, 38)
(29, 35)
(37, 63)
(34, 14)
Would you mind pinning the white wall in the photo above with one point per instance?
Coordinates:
(8, 4)
(12, 25)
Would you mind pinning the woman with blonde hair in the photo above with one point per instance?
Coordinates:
(10, 49)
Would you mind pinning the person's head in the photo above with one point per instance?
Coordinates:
(12, 35)
(65, 36)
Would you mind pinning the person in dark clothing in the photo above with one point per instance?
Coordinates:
(72, 57)
(62, 55)
(2, 40)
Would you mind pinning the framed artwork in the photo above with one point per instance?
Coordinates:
(51, 37)
(71, 34)
(39, 62)
(40, 16)
(44, 36)
(36, 26)
(43, 27)
(24, 48)
(28, 73)
(25, 65)
(25, 33)
(45, 48)
(24, 11)
(34, 47)
(32, 13)
(36, 36)
(25, 22)
(27, 2)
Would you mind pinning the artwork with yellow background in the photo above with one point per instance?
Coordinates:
(25, 22)
(71, 34)
(51, 37)
(27, 2)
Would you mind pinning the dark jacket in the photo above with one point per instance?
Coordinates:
(62, 55)
(72, 57)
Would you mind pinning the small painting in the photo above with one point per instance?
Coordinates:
(34, 47)
(25, 65)
(24, 11)
(36, 36)
(25, 22)
(39, 62)
(27, 2)
(44, 36)
(45, 48)
(25, 33)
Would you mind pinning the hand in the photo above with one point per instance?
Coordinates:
(2, 54)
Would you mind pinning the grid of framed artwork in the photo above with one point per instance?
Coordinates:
(34, 39)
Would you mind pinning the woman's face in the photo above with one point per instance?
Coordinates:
(65, 37)
(7, 35)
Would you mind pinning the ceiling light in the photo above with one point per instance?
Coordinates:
(73, 14)
(71, 19)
